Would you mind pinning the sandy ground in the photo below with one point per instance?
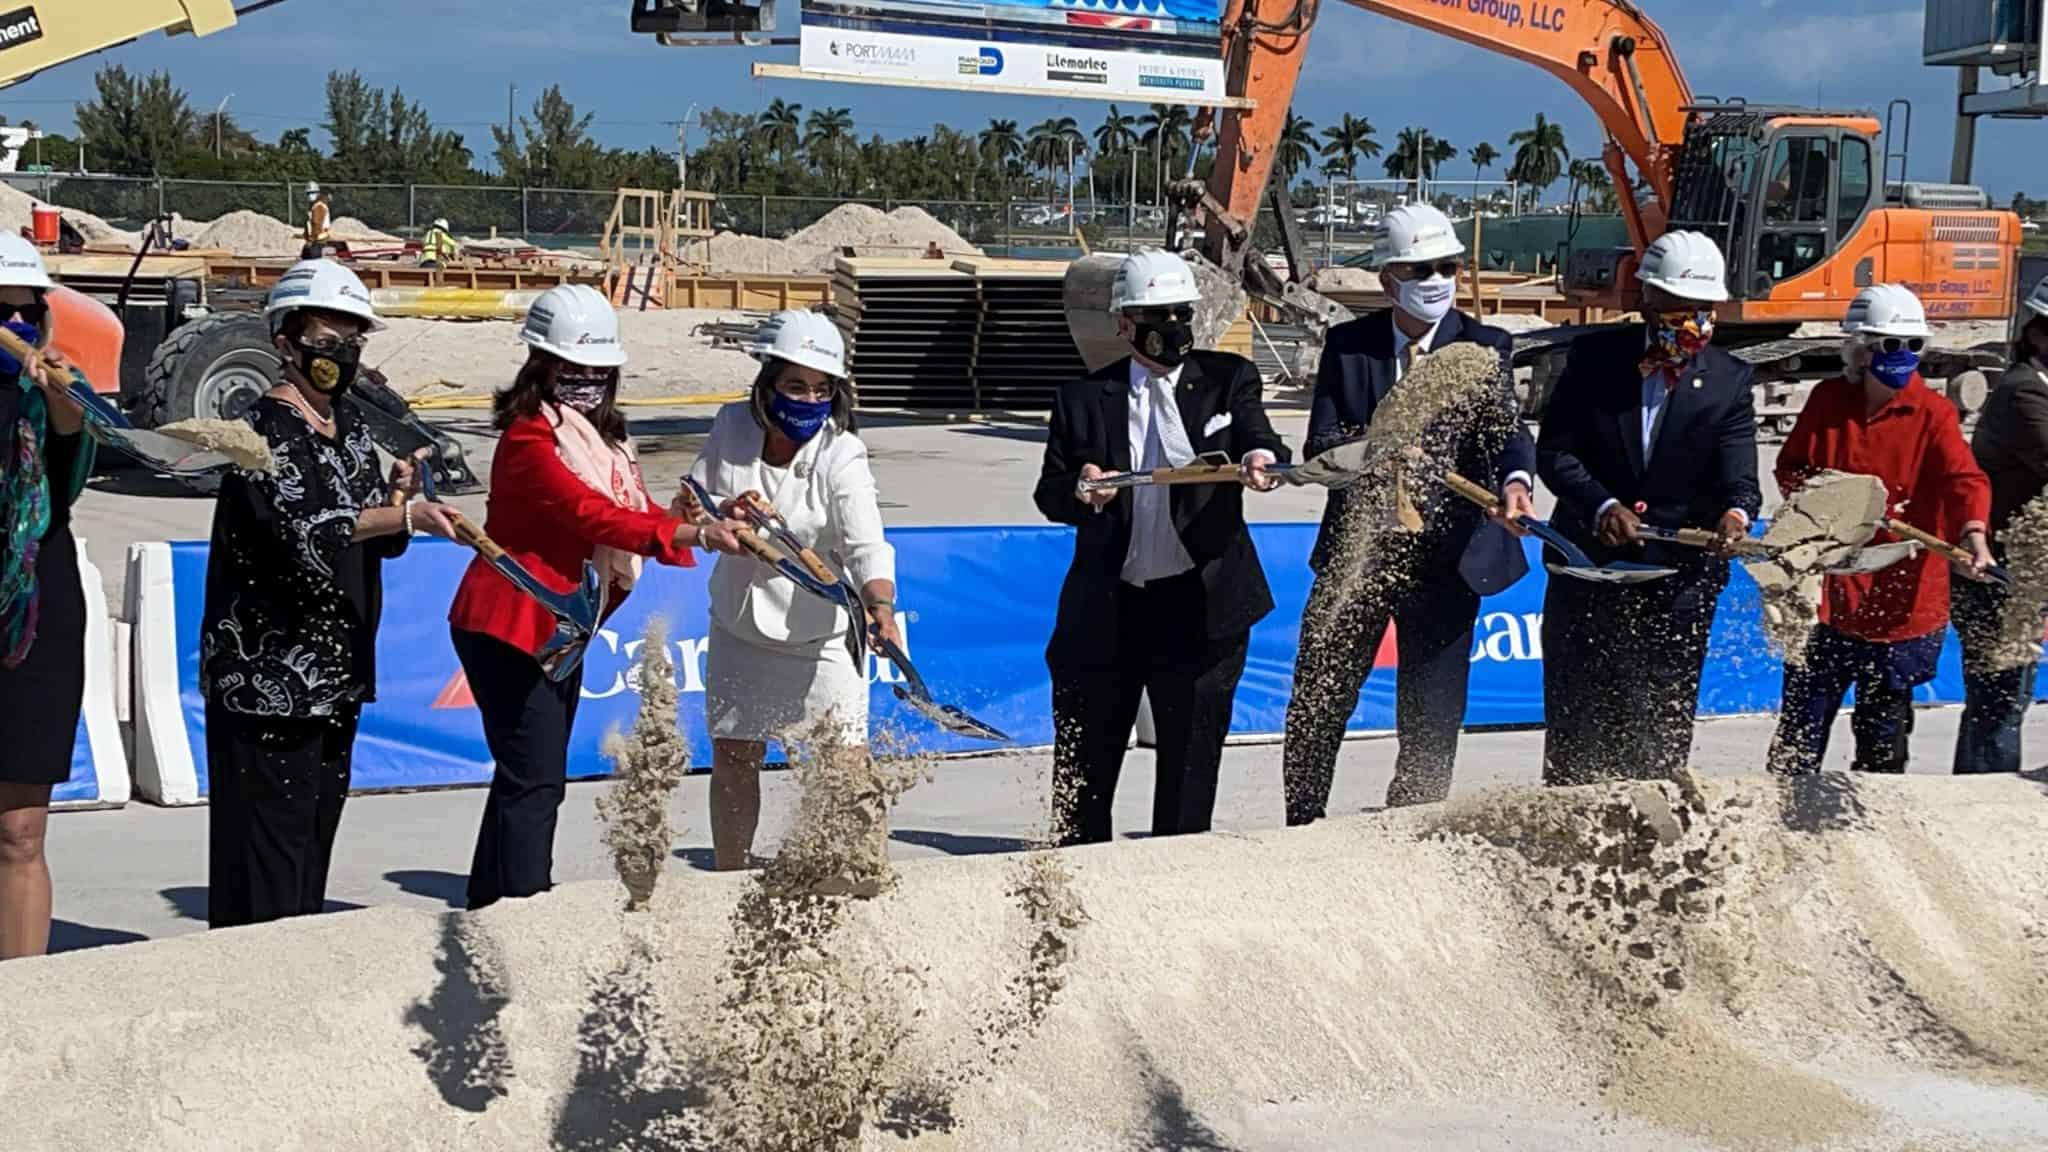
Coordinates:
(435, 359)
(1846, 964)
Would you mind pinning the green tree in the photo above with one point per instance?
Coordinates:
(1348, 141)
(777, 128)
(554, 149)
(1590, 178)
(825, 132)
(1540, 155)
(1297, 148)
(1115, 137)
(135, 125)
(1483, 156)
(1166, 135)
(1053, 143)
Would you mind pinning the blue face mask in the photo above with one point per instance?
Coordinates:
(1894, 370)
(9, 366)
(798, 419)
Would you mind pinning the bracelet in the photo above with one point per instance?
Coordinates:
(408, 517)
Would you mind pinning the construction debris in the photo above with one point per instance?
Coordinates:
(1826, 520)
(646, 767)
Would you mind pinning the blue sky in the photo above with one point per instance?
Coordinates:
(459, 55)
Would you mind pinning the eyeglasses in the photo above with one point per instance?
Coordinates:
(33, 314)
(1181, 312)
(1892, 344)
(583, 375)
(798, 390)
(1448, 269)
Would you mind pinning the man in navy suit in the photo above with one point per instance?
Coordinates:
(1648, 424)
(1427, 584)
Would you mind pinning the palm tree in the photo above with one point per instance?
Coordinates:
(1349, 140)
(1000, 146)
(1483, 156)
(1297, 145)
(1166, 133)
(1410, 155)
(1540, 155)
(1439, 150)
(1590, 177)
(777, 127)
(1055, 142)
(824, 131)
(1117, 134)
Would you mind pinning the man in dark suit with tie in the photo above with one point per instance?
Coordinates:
(1165, 585)
(1648, 424)
(1427, 584)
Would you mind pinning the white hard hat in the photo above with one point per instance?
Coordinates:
(1415, 234)
(575, 322)
(1687, 265)
(1886, 310)
(21, 266)
(803, 338)
(1153, 278)
(441, 222)
(2037, 302)
(321, 284)
(312, 187)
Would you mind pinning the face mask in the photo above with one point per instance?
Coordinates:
(1426, 300)
(1677, 337)
(1164, 342)
(1894, 370)
(585, 398)
(9, 366)
(798, 419)
(330, 371)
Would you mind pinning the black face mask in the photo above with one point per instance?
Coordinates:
(330, 370)
(1164, 342)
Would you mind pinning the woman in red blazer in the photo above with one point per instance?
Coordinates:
(565, 488)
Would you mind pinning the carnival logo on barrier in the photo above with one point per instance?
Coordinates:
(1508, 637)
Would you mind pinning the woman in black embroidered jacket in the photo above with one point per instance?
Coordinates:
(293, 596)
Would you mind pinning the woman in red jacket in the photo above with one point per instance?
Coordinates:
(1881, 632)
(565, 488)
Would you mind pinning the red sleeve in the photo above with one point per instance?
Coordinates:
(1795, 455)
(543, 487)
(1961, 486)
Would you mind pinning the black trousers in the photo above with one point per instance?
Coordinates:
(1621, 674)
(527, 718)
(1191, 680)
(275, 789)
(1433, 615)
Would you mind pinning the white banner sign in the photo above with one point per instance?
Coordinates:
(1152, 77)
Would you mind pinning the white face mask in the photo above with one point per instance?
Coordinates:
(1426, 300)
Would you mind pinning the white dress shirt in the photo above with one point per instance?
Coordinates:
(1657, 389)
(1155, 551)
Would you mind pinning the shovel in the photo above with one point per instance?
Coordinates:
(1338, 467)
(1955, 553)
(576, 613)
(1859, 561)
(1576, 564)
(812, 575)
(109, 426)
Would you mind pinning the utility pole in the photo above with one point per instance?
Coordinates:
(683, 148)
(511, 99)
(217, 112)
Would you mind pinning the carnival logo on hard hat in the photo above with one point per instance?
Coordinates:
(587, 338)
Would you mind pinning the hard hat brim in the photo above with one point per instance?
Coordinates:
(1691, 290)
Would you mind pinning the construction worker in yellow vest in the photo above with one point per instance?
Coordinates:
(439, 246)
(316, 222)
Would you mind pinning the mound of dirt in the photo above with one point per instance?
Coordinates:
(15, 214)
(355, 231)
(1832, 962)
(246, 233)
(907, 231)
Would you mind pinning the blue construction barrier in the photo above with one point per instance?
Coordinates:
(978, 604)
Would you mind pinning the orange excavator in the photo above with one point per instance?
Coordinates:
(1808, 205)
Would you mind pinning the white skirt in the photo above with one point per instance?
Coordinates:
(757, 692)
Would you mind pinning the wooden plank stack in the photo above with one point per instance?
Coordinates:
(975, 334)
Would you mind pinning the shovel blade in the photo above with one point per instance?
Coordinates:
(1873, 558)
(1620, 572)
(1338, 467)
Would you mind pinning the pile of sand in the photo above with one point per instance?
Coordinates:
(1841, 963)
(907, 231)
(15, 214)
(440, 358)
(246, 233)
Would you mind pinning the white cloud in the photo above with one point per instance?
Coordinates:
(1349, 47)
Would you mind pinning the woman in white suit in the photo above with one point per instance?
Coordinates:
(778, 664)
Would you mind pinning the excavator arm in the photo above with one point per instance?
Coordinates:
(45, 35)
(1608, 51)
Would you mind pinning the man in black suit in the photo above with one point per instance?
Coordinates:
(1649, 424)
(1165, 585)
(1428, 584)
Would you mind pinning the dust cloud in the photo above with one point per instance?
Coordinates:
(646, 768)
(2025, 540)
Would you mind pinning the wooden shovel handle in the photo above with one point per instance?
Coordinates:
(1697, 538)
(1196, 474)
(762, 550)
(1928, 540)
(21, 350)
(1471, 491)
(816, 567)
(473, 536)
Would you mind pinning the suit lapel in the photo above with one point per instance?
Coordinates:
(1192, 399)
(1381, 362)
(1678, 406)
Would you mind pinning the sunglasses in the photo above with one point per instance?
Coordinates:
(33, 314)
(1181, 312)
(798, 390)
(330, 345)
(1893, 344)
(1448, 269)
(583, 375)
